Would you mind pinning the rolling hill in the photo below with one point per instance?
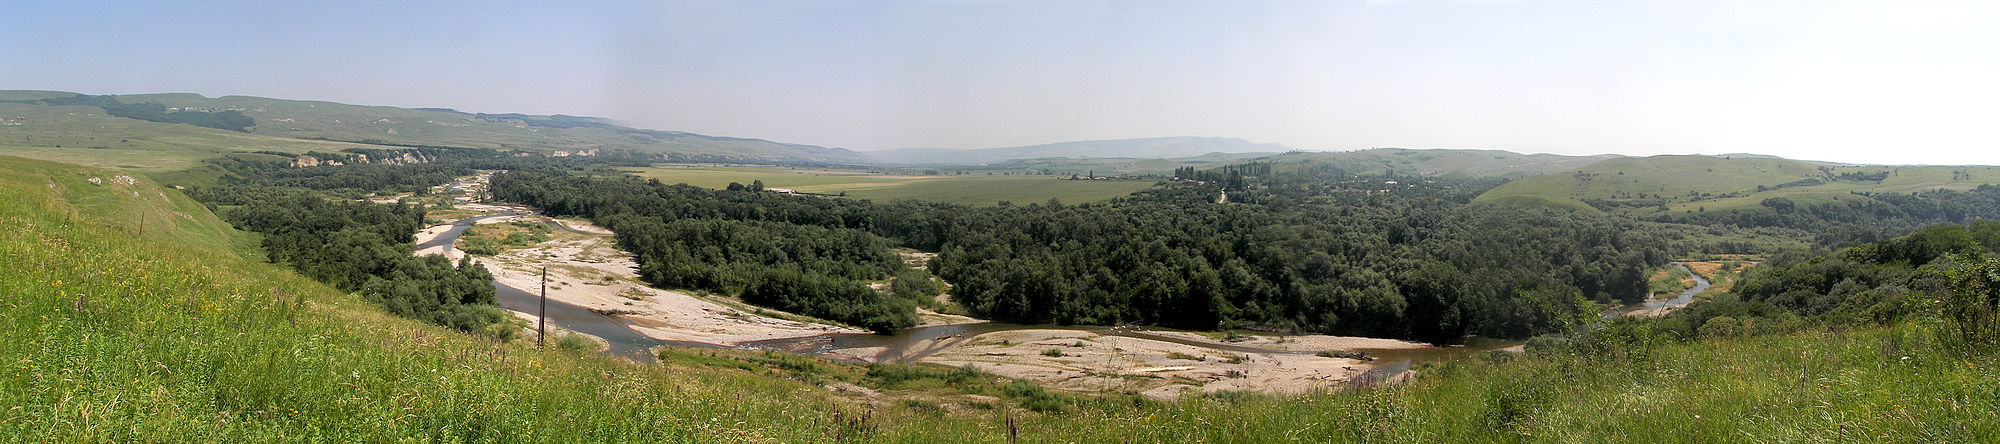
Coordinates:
(1146, 148)
(87, 136)
(1428, 162)
(1647, 186)
(382, 125)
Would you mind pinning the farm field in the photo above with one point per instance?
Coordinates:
(970, 189)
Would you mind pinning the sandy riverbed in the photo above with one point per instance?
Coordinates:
(1158, 369)
(588, 270)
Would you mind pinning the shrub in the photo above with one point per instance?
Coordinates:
(1721, 327)
(574, 342)
(1053, 353)
(1967, 292)
(478, 247)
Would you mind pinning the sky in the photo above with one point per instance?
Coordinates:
(1896, 82)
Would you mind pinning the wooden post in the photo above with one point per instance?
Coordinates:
(542, 329)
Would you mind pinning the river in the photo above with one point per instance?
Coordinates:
(1685, 297)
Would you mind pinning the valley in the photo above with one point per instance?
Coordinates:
(594, 291)
(1334, 288)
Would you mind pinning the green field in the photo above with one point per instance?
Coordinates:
(1687, 184)
(970, 189)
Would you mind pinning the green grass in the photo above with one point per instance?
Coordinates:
(970, 189)
(130, 203)
(1673, 184)
(115, 337)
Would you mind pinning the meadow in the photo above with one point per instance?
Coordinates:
(970, 189)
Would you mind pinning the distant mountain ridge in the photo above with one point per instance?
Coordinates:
(1430, 162)
(553, 134)
(1142, 148)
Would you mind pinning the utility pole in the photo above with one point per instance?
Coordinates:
(542, 329)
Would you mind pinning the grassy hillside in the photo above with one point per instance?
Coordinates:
(300, 119)
(970, 189)
(1409, 162)
(126, 202)
(85, 135)
(115, 337)
(1684, 184)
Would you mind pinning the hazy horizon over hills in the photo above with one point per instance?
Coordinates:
(446, 126)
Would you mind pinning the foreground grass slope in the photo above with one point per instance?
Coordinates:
(111, 337)
(1649, 186)
(115, 337)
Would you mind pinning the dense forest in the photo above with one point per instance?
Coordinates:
(1414, 262)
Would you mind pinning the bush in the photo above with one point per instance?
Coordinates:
(1053, 353)
(1721, 327)
(575, 342)
(478, 247)
(1967, 292)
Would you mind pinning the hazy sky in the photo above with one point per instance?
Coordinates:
(1880, 81)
